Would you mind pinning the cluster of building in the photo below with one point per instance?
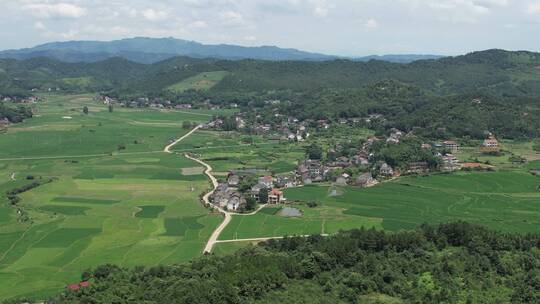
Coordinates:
(19, 99)
(288, 129)
(77, 286)
(490, 145)
(314, 171)
(228, 196)
(160, 103)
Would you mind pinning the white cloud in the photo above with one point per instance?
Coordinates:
(55, 10)
(71, 34)
(534, 8)
(232, 18)
(436, 26)
(199, 24)
(371, 23)
(320, 11)
(39, 26)
(154, 15)
(320, 8)
(489, 3)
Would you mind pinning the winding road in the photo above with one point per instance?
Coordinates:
(206, 198)
(168, 147)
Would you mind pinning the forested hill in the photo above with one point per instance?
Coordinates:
(150, 50)
(495, 90)
(506, 73)
(452, 263)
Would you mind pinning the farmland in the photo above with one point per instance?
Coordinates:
(226, 151)
(505, 200)
(202, 81)
(106, 193)
(115, 197)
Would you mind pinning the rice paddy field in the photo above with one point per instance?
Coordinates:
(203, 81)
(505, 200)
(128, 206)
(226, 151)
(324, 219)
(107, 193)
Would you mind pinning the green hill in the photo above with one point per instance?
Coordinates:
(493, 90)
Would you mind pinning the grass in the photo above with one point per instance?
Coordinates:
(128, 207)
(99, 132)
(179, 226)
(150, 211)
(64, 237)
(84, 200)
(66, 210)
(201, 82)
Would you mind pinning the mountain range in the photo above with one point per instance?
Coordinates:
(152, 50)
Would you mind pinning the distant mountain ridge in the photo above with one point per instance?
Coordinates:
(152, 50)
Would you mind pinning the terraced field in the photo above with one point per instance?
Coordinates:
(129, 206)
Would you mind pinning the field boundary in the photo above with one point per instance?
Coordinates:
(262, 239)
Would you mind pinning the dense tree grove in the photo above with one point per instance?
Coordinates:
(14, 114)
(452, 263)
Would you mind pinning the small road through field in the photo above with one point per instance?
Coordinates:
(168, 147)
(206, 197)
(206, 200)
(262, 239)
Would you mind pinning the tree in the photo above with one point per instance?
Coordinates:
(251, 203)
(110, 108)
(186, 124)
(85, 110)
(229, 124)
(536, 146)
(263, 196)
(314, 151)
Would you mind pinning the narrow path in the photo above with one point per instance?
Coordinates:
(262, 239)
(206, 199)
(168, 148)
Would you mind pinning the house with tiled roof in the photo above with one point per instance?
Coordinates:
(275, 196)
(451, 145)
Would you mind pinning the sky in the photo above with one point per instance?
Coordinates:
(339, 27)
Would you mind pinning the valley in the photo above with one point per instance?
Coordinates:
(107, 192)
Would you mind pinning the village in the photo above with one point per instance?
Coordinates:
(359, 167)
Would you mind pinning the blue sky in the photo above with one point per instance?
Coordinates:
(342, 27)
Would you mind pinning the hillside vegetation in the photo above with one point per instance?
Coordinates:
(493, 90)
(515, 73)
(452, 263)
